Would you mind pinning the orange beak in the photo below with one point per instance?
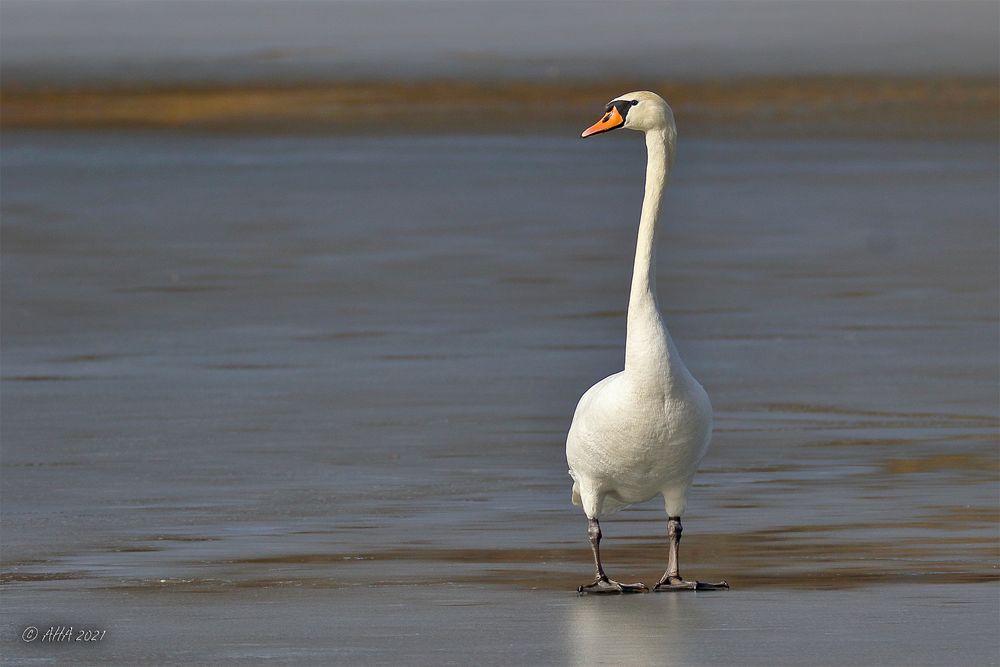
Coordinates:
(611, 120)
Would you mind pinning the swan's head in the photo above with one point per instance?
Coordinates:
(642, 111)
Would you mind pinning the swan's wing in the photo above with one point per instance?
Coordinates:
(590, 414)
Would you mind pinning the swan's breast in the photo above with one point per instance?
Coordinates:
(624, 436)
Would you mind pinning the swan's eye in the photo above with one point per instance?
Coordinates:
(634, 102)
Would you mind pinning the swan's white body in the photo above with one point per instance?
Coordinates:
(642, 432)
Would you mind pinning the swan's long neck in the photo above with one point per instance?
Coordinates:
(648, 348)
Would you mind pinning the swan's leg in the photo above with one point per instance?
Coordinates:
(601, 582)
(672, 579)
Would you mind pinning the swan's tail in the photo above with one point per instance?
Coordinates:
(577, 500)
(609, 503)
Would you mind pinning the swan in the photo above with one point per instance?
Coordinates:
(643, 431)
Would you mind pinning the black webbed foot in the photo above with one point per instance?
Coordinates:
(679, 584)
(605, 586)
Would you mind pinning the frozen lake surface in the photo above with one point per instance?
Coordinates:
(304, 399)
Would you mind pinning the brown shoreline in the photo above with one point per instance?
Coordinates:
(843, 106)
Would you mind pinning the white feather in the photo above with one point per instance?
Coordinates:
(642, 432)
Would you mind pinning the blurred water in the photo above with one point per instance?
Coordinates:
(283, 40)
(251, 383)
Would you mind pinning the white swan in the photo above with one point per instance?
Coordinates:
(641, 432)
